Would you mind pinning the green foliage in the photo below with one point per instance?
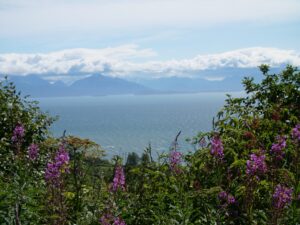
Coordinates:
(21, 189)
(155, 193)
(133, 159)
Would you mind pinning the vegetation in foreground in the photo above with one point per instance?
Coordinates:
(245, 171)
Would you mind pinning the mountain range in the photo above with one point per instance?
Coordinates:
(225, 79)
(94, 85)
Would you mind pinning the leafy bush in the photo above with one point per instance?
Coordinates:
(22, 125)
(245, 171)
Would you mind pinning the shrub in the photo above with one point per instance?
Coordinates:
(245, 171)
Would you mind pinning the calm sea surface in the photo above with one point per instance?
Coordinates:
(122, 124)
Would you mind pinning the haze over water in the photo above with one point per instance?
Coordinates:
(122, 124)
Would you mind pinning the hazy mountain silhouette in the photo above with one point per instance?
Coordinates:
(96, 84)
(225, 79)
(103, 85)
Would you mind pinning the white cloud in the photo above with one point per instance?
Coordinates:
(121, 62)
(71, 60)
(214, 78)
(32, 17)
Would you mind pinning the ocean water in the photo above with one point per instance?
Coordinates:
(128, 123)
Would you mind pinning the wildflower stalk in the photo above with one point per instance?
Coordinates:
(255, 167)
(20, 175)
(217, 149)
(17, 137)
(55, 181)
(117, 187)
(282, 197)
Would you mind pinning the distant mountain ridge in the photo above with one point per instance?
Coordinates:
(93, 85)
(103, 85)
(226, 79)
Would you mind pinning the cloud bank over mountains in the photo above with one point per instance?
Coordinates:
(131, 61)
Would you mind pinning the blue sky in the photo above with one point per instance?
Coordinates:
(171, 43)
(169, 29)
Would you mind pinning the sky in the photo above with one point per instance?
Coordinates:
(154, 37)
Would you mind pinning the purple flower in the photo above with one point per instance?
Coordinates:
(230, 199)
(18, 134)
(256, 165)
(217, 149)
(52, 173)
(296, 132)
(106, 219)
(59, 166)
(282, 196)
(175, 158)
(33, 150)
(109, 219)
(119, 221)
(62, 157)
(223, 195)
(226, 198)
(277, 147)
(119, 179)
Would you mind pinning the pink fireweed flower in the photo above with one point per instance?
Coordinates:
(119, 179)
(109, 219)
(277, 148)
(62, 157)
(106, 219)
(59, 166)
(33, 150)
(52, 172)
(226, 198)
(296, 132)
(256, 165)
(18, 134)
(119, 221)
(282, 196)
(230, 199)
(222, 195)
(217, 149)
(175, 158)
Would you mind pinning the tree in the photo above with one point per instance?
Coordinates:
(133, 159)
